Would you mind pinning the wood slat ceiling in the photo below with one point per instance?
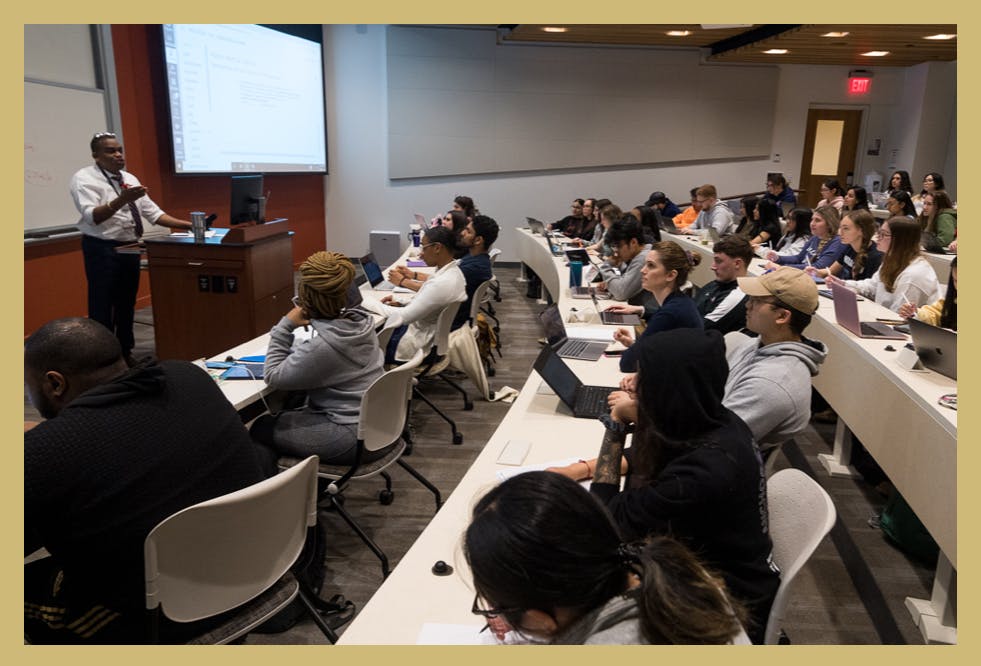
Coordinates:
(805, 44)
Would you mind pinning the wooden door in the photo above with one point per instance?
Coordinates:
(830, 149)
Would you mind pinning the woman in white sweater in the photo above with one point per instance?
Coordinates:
(904, 276)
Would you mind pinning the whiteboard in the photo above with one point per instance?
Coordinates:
(58, 124)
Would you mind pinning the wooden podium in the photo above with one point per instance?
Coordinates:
(213, 295)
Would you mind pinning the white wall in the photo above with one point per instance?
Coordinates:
(360, 197)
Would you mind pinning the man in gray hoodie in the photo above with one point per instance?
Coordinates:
(769, 384)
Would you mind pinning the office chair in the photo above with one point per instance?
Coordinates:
(495, 284)
(380, 424)
(801, 514)
(436, 362)
(234, 552)
(480, 296)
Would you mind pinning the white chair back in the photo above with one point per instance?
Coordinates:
(479, 297)
(217, 555)
(383, 405)
(801, 514)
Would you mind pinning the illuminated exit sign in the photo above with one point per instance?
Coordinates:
(859, 82)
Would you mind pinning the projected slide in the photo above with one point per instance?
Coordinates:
(244, 98)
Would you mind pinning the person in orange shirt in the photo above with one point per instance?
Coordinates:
(687, 217)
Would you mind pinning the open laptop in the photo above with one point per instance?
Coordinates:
(846, 314)
(665, 223)
(375, 277)
(615, 318)
(553, 244)
(557, 338)
(359, 276)
(536, 226)
(421, 221)
(936, 347)
(586, 402)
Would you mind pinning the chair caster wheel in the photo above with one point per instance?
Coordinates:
(458, 438)
(467, 406)
(386, 496)
(491, 372)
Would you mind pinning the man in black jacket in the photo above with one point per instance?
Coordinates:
(120, 450)
(721, 303)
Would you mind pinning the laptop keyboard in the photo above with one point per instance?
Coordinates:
(876, 329)
(592, 400)
(575, 346)
(612, 318)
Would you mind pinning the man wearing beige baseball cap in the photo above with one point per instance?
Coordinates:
(769, 383)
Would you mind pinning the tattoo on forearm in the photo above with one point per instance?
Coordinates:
(608, 462)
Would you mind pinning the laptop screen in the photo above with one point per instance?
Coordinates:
(554, 328)
(372, 270)
(557, 375)
(936, 347)
(359, 276)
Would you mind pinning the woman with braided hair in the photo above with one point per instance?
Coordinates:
(333, 368)
(549, 563)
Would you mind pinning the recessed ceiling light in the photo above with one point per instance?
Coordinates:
(876, 54)
(941, 37)
(554, 29)
(775, 51)
(678, 33)
(835, 34)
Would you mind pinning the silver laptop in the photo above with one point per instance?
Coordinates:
(536, 226)
(936, 347)
(359, 275)
(665, 223)
(557, 339)
(615, 318)
(846, 314)
(421, 221)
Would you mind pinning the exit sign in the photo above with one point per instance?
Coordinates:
(859, 85)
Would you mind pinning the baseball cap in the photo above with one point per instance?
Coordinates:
(792, 286)
(656, 197)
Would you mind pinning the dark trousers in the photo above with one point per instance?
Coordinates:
(113, 281)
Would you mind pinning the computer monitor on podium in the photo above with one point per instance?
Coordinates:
(248, 200)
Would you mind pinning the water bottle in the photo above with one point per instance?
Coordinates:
(198, 226)
(415, 233)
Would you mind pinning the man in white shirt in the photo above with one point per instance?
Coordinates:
(714, 213)
(415, 323)
(113, 206)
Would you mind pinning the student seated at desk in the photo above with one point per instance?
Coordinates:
(549, 563)
(824, 247)
(861, 258)
(795, 235)
(625, 238)
(943, 313)
(904, 276)
(415, 323)
(665, 269)
(474, 241)
(692, 469)
(333, 367)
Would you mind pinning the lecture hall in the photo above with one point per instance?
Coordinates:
(490, 334)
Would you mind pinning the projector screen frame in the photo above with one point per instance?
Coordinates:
(310, 32)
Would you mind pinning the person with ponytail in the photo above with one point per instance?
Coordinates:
(332, 368)
(821, 250)
(664, 272)
(692, 470)
(861, 258)
(547, 559)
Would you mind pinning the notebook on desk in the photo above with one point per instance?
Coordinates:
(586, 402)
(936, 347)
(558, 339)
(846, 314)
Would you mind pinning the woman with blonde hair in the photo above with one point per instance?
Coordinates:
(333, 368)
(821, 250)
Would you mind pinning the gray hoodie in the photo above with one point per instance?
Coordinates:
(334, 367)
(769, 387)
